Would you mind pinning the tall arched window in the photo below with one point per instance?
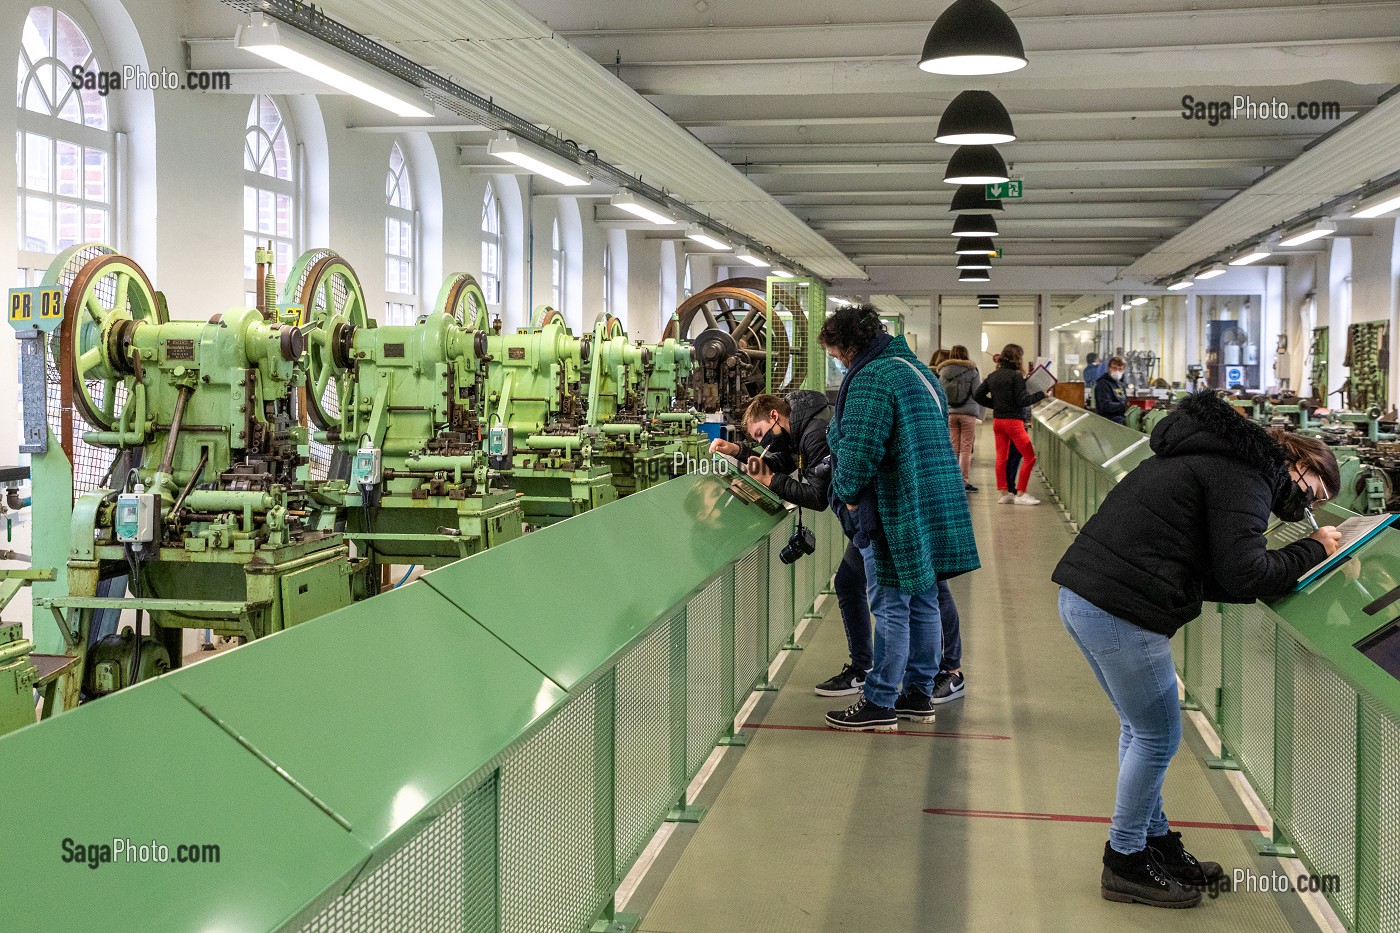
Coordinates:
(607, 279)
(491, 246)
(400, 242)
(561, 270)
(66, 175)
(269, 189)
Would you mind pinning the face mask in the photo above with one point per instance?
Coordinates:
(1116, 374)
(1292, 502)
(778, 444)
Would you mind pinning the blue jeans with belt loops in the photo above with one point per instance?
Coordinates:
(908, 638)
(1134, 667)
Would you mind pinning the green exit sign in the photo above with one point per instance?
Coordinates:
(1006, 191)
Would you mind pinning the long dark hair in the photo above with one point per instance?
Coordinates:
(1012, 356)
(1309, 453)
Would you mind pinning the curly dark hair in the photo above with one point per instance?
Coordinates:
(851, 328)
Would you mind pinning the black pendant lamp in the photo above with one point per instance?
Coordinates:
(973, 37)
(972, 199)
(974, 225)
(988, 302)
(976, 165)
(975, 275)
(974, 262)
(975, 246)
(975, 118)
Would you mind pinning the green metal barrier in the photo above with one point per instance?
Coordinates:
(1310, 720)
(486, 749)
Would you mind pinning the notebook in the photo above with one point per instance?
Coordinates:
(1041, 379)
(1355, 532)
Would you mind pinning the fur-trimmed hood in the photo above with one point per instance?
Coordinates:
(1204, 423)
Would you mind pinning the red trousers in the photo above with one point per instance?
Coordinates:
(1010, 431)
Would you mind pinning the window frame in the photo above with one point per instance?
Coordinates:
(492, 249)
(400, 307)
(259, 182)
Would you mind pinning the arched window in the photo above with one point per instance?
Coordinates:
(66, 175)
(269, 189)
(607, 279)
(560, 271)
(400, 242)
(491, 246)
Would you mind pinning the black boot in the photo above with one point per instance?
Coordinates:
(1140, 878)
(1182, 865)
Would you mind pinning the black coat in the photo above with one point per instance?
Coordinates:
(1188, 524)
(1004, 392)
(1110, 398)
(807, 485)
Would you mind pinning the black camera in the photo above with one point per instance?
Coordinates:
(803, 541)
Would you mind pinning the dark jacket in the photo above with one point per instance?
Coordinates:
(889, 436)
(1110, 398)
(807, 485)
(1188, 524)
(1004, 392)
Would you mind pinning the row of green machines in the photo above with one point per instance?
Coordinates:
(266, 465)
(1303, 691)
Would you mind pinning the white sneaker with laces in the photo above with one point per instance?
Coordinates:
(1026, 498)
(1005, 498)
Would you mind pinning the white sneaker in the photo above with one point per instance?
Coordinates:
(1026, 498)
(1005, 498)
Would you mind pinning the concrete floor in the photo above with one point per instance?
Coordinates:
(815, 831)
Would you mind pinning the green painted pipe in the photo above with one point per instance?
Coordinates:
(628, 429)
(552, 441)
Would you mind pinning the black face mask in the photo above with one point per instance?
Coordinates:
(777, 445)
(1291, 503)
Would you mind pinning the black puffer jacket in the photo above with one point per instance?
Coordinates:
(1004, 392)
(1188, 524)
(807, 485)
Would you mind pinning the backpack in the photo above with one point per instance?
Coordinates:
(958, 388)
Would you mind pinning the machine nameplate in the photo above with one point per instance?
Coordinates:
(516, 353)
(393, 351)
(179, 349)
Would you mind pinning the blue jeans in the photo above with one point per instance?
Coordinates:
(1134, 666)
(855, 614)
(908, 638)
(1013, 464)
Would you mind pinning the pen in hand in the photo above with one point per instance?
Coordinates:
(1311, 520)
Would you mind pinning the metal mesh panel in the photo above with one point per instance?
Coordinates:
(1378, 792)
(803, 593)
(648, 782)
(442, 881)
(1317, 714)
(1254, 743)
(1203, 660)
(750, 599)
(780, 619)
(1231, 674)
(709, 691)
(550, 876)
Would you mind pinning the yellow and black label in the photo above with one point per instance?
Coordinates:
(39, 306)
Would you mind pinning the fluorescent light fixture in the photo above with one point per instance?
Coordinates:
(291, 48)
(1125, 306)
(1250, 255)
(1211, 272)
(536, 159)
(1301, 235)
(780, 272)
(748, 256)
(641, 207)
(1374, 207)
(1179, 285)
(700, 235)
(1138, 301)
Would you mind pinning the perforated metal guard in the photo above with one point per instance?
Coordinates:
(1253, 742)
(551, 878)
(750, 601)
(1202, 674)
(709, 693)
(442, 881)
(1317, 717)
(1378, 792)
(780, 620)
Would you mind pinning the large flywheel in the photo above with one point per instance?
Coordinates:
(462, 299)
(326, 288)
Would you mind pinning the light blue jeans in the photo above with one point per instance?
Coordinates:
(908, 638)
(1134, 666)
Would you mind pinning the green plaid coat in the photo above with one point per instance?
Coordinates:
(893, 434)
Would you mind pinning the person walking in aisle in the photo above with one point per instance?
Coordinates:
(1110, 395)
(1093, 372)
(1186, 525)
(1004, 392)
(960, 380)
(896, 486)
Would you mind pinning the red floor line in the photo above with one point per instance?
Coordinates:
(921, 733)
(1077, 818)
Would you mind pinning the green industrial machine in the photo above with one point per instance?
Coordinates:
(401, 408)
(1368, 365)
(167, 459)
(1317, 374)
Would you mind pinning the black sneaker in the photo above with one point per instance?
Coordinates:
(863, 716)
(1182, 865)
(914, 706)
(850, 680)
(1140, 878)
(947, 686)
(969, 487)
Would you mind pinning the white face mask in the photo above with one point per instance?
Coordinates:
(1116, 374)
